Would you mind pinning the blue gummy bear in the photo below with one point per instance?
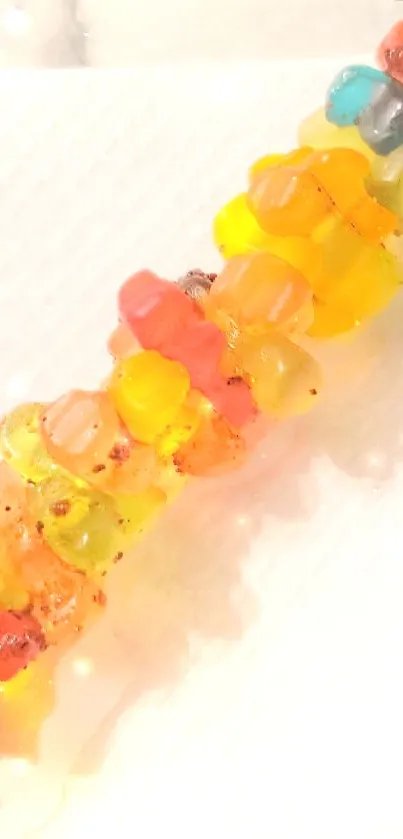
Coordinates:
(351, 93)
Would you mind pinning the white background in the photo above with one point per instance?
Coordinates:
(246, 681)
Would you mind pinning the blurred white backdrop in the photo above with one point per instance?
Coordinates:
(126, 32)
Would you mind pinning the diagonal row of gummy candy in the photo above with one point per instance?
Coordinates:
(309, 249)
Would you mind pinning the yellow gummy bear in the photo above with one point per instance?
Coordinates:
(183, 427)
(21, 444)
(148, 391)
(285, 380)
(79, 523)
(236, 230)
(351, 279)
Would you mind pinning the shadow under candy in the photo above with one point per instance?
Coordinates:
(188, 577)
(359, 424)
(185, 585)
(186, 582)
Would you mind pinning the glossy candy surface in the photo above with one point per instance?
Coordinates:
(148, 391)
(381, 124)
(390, 52)
(165, 319)
(215, 448)
(108, 457)
(286, 380)
(79, 523)
(21, 641)
(339, 257)
(286, 201)
(61, 598)
(21, 444)
(351, 92)
(337, 182)
(236, 229)
(352, 279)
(342, 174)
(79, 429)
(260, 292)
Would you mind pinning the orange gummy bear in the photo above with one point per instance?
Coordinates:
(215, 448)
(292, 200)
(259, 292)
(79, 429)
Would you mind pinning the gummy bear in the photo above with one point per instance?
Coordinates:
(21, 641)
(390, 52)
(286, 201)
(156, 311)
(352, 279)
(163, 318)
(129, 467)
(233, 240)
(381, 124)
(83, 432)
(260, 292)
(80, 429)
(148, 391)
(79, 523)
(338, 176)
(184, 425)
(286, 380)
(61, 598)
(351, 92)
(215, 448)
(342, 173)
(236, 229)
(21, 444)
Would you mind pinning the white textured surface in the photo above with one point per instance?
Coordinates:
(126, 32)
(246, 681)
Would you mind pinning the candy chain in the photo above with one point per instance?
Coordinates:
(310, 249)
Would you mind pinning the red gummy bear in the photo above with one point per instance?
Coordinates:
(155, 310)
(389, 54)
(21, 641)
(165, 319)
